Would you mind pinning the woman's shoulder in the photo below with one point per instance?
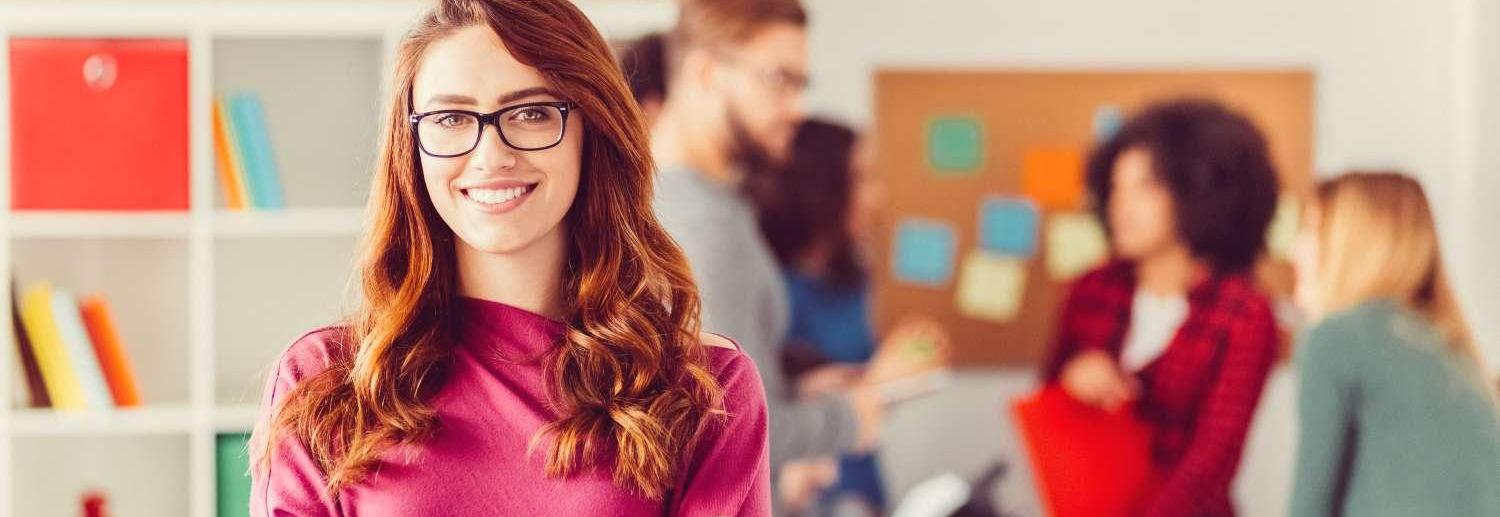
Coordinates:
(1365, 320)
(1108, 285)
(1363, 328)
(312, 353)
(735, 371)
(1379, 325)
(1242, 289)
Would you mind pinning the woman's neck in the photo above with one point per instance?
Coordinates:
(529, 279)
(1169, 272)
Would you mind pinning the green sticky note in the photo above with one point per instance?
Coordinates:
(955, 145)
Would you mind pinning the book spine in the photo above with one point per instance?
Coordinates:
(112, 358)
(62, 383)
(224, 153)
(244, 149)
(252, 119)
(80, 351)
(36, 387)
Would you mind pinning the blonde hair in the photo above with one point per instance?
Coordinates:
(1377, 239)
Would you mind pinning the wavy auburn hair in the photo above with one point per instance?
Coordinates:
(630, 376)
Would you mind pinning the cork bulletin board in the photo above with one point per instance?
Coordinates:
(987, 219)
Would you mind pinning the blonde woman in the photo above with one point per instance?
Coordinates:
(1396, 415)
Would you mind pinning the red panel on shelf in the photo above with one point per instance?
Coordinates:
(99, 124)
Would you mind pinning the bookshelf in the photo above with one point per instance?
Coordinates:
(207, 297)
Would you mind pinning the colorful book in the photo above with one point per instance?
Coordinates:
(233, 469)
(80, 350)
(30, 372)
(118, 373)
(231, 175)
(62, 383)
(249, 119)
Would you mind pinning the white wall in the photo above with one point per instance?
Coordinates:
(1487, 212)
(1391, 76)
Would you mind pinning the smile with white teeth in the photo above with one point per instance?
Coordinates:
(496, 196)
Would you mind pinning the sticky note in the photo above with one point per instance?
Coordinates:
(1282, 234)
(1053, 177)
(924, 251)
(991, 287)
(1008, 226)
(1107, 121)
(955, 145)
(1075, 244)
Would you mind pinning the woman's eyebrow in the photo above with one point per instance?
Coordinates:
(449, 98)
(465, 100)
(524, 93)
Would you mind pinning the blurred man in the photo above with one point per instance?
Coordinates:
(738, 72)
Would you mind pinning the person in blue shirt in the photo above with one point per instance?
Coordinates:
(816, 212)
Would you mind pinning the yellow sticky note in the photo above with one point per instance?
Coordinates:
(1282, 233)
(1075, 244)
(991, 287)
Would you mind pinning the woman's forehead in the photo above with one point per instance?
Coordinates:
(472, 63)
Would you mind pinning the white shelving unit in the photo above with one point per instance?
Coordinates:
(206, 298)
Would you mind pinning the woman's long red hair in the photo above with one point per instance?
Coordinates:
(630, 378)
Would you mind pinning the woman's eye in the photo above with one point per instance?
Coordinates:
(452, 120)
(531, 115)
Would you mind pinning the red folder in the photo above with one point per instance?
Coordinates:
(1086, 462)
(99, 124)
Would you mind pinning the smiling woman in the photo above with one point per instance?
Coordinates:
(529, 338)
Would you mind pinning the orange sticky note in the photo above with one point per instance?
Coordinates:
(1053, 177)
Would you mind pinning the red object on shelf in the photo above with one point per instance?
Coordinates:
(99, 124)
(1087, 462)
(94, 504)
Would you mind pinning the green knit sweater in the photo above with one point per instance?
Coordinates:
(1392, 424)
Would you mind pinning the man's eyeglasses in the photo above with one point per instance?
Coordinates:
(783, 80)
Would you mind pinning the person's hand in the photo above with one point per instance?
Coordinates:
(801, 481)
(826, 379)
(916, 346)
(1092, 377)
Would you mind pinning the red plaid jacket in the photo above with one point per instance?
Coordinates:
(1200, 394)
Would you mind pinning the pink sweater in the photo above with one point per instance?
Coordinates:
(492, 404)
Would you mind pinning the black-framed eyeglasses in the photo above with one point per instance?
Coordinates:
(532, 126)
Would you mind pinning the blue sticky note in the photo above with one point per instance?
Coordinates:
(1107, 121)
(1007, 225)
(924, 252)
(955, 144)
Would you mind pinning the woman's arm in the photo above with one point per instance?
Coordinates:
(1213, 453)
(1065, 345)
(1092, 310)
(285, 479)
(1325, 409)
(729, 472)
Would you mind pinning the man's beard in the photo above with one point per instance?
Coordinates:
(745, 150)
